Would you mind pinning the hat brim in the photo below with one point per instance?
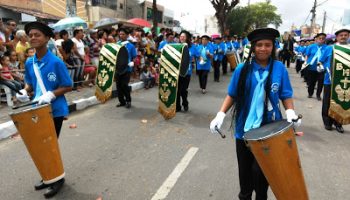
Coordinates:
(263, 34)
(39, 26)
(342, 30)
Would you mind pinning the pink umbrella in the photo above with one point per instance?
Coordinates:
(139, 22)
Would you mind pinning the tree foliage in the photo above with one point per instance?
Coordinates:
(259, 15)
(222, 9)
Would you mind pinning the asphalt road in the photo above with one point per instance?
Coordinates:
(119, 153)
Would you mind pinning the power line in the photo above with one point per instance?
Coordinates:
(306, 18)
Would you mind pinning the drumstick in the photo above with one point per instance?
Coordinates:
(24, 105)
(299, 117)
(218, 130)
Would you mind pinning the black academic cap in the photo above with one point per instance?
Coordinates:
(319, 34)
(342, 30)
(205, 36)
(39, 26)
(188, 34)
(262, 34)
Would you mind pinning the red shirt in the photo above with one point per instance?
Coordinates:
(5, 72)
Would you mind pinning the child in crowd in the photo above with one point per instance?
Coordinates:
(154, 72)
(89, 69)
(146, 77)
(15, 67)
(6, 78)
(30, 52)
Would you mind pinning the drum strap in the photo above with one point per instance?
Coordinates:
(40, 82)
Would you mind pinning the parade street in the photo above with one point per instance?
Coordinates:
(134, 154)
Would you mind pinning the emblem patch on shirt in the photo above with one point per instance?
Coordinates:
(51, 77)
(275, 87)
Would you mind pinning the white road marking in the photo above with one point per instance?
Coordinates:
(169, 183)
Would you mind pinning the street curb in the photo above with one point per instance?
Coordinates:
(8, 129)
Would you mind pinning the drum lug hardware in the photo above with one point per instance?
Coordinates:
(266, 150)
(35, 118)
(289, 142)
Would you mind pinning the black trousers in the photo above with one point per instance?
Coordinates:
(327, 120)
(203, 77)
(298, 65)
(182, 92)
(216, 65)
(251, 177)
(313, 77)
(286, 58)
(58, 121)
(224, 65)
(123, 88)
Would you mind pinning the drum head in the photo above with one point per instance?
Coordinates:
(267, 130)
(122, 60)
(185, 61)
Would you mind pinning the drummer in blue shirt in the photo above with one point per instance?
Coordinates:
(55, 82)
(249, 84)
(205, 51)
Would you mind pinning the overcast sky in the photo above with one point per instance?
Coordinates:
(292, 11)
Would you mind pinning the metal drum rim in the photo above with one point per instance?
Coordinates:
(269, 136)
(27, 109)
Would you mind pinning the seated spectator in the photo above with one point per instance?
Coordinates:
(89, 69)
(6, 77)
(146, 77)
(15, 67)
(154, 72)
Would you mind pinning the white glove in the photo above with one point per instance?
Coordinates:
(290, 114)
(320, 67)
(131, 64)
(22, 97)
(217, 122)
(46, 98)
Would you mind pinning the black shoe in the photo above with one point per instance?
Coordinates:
(185, 108)
(41, 185)
(328, 128)
(54, 188)
(339, 129)
(319, 98)
(120, 105)
(310, 96)
(128, 105)
(178, 109)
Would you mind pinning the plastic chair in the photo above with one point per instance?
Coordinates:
(8, 95)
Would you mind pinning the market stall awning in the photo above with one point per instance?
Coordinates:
(34, 13)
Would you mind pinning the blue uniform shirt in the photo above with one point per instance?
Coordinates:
(326, 60)
(202, 51)
(310, 53)
(236, 45)
(219, 51)
(229, 45)
(193, 53)
(54, 74)
(131, 52)
(281, 89)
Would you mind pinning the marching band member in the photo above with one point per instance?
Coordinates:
(123, 79)
(315, 73)
(204, 62)
(55, 80)
(219, 53)
(261, 74)
(342, 37)
(185, 37)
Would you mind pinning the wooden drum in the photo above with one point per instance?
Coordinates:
(275, 149)
(37, 130)
(231, 58)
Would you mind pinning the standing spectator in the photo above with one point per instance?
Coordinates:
(150, 46)
(94, 47)
(21, 46)
(78, 36)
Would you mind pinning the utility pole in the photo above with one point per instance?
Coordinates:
(324, 21)
(71, 8)
(313, 18)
